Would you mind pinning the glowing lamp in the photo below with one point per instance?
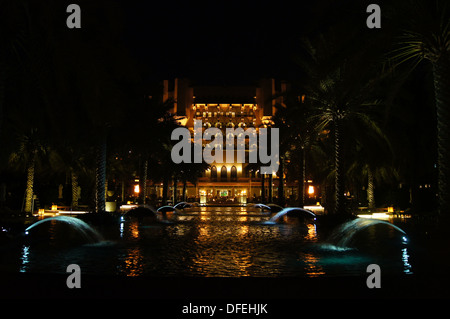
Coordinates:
(54, 207)
(310, 189)
(390, 209)
(136, 188)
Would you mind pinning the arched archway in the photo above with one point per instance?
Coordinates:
(233, 173)
(223, 173)
(213, 173)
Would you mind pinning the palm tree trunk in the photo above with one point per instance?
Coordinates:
(30, 184)
(301, 179)
(122, 195)
(270, 188)
(74, 191)
(441, 73)
(165, 190)
(100, 177)
(339, 187)
(143, 182)
(175, 190)
(370, 189)
(184, 190)
(263, 190)
(281, 199)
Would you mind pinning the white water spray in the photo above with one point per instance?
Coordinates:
(84, 229)
(342, 236)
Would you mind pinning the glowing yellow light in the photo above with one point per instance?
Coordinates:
(136, 188)
(54, 207)
(390, 209)
(181, 120)
(310, 189)
(41, 211)
(374, 216)
(380, 216)
(267, 120)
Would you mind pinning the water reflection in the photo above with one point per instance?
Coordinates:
(312, 233)
(24, 258)
(406, 265)
(133, 263)
(243, 230)
(312, 267)
(212, 241)
(121, 229)
(134, 230)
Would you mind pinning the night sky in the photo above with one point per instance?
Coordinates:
(218, 41)
(213, 41)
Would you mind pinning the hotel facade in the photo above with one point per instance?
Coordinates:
(222, 107)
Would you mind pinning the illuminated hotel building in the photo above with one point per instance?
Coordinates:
(250, 106)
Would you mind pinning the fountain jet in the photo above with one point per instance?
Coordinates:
(84, 229)
(292, 210)
(342, 236)
(182, 205)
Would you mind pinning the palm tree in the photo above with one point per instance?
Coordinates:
(68, 158)
(190, 172)
(73, 81)
(122, 168)
(154, 128)
(297, 135)
(371, 158)
(425, 35)
(339, 107)
(100, 175)
(340, 91)
(30, 148)
(27, 47)
(94, 84)
(281, 196)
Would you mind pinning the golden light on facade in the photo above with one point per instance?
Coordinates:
(267, 120)
(136, 189)
(310, 190)
(181, 120)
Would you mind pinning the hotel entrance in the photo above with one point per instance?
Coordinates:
(223, 195)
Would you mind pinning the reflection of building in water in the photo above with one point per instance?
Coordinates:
(222, 107)
(133, 262)
(312, 265)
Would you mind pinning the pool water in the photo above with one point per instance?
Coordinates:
(209, 242)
